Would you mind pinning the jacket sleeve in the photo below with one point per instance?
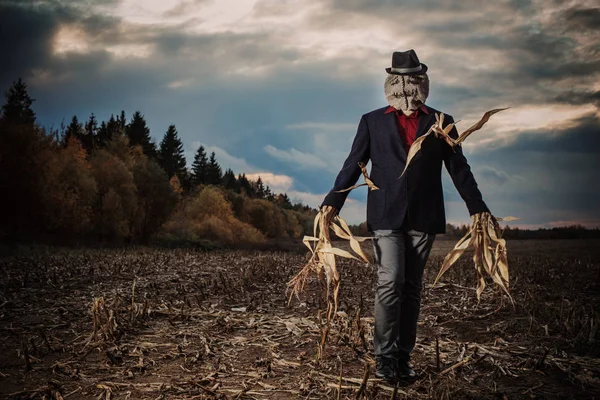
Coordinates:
(350, 172)
(461, 175)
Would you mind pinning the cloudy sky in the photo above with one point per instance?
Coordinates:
(277, 87)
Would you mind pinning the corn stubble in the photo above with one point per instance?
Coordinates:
(484, 235)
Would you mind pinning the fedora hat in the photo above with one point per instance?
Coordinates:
(406, 63)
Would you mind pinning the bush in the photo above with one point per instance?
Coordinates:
(209, 216)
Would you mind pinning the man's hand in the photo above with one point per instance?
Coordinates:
(329, 212)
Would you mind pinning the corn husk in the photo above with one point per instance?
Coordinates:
(322, 256)
(489, 252)
(438, 129)
(322, 259)
(368, 181)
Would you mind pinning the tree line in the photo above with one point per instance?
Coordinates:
(108, 181)
(561, 232)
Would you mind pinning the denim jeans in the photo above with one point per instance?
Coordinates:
(401, 256)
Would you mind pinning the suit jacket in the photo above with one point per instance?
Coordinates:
(417, 195)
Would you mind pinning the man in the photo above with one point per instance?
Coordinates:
(407, 211)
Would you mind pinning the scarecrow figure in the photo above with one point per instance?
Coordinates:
(407, 211)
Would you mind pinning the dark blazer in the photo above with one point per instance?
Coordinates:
(418, 194)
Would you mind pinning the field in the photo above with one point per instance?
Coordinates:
(152, 323)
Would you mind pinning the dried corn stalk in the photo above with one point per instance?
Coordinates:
(322, 260)
(442, 132)
(368, 181)
(485, 234)
(489, 252)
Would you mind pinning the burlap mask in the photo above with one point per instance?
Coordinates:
(406, 92)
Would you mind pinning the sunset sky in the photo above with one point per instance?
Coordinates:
(276, 87)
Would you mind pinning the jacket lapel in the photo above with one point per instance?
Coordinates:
(391, 127)
(425, 122)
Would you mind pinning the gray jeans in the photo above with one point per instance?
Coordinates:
(401, 256)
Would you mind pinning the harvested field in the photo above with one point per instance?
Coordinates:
(152, 324)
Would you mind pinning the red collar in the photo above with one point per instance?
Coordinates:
(392, 109)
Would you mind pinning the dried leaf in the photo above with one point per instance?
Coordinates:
(444, 133)
(414, 149)
(489, 253)
(478, 125)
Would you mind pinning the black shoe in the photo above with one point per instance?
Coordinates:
(386, 369)
(405, 372)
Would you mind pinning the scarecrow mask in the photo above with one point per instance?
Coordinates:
(406, 92)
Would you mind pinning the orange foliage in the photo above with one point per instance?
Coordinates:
(209, 216)
(69, 189)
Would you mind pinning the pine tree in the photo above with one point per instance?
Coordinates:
(199, 167)
(214, 173)
(139, 135)
(269, 195)
(74, 130)
(108, 130)
(229, 180)
(260, 188)
(284, 201)
(244, 185)
(24, 155)
(121, 120)
(88, 139)
(102, 134)
(170, 155)
(17, 109)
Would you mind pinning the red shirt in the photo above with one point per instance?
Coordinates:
(407, 125)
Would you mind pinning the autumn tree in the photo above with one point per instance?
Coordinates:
(156, 198)
(69, 190)
(117, 202)
(208, 216)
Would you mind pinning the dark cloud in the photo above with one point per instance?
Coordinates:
(583, 137)
(27, 29)
(546, 58)
(552, 175)
(583, 18)
(25, 40)
(579, 97)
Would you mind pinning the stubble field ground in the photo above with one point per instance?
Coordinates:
(179, 324)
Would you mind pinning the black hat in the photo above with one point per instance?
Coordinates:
(406, 63)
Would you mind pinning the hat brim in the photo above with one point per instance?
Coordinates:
(420, 72)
